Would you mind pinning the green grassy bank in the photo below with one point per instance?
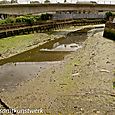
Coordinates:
(17, 44)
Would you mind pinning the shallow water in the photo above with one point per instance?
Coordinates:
(29, 64)
(51, 51)
(13, 74)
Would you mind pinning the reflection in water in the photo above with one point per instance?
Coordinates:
(64, 47)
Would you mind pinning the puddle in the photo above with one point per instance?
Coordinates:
(29, 64)
(14, 73)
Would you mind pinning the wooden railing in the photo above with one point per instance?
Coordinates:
(20, 25)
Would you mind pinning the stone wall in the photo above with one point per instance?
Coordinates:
(109, 31)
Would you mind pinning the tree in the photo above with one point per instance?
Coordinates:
(108, 15)
(14, 1)
(34, 2)
(10, 20)
(4, 2)
(46, 16)
(46, 1)
(65, 1)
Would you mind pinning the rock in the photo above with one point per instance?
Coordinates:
(93, 53)
(75, 64)
(63, 84)
(104, 70)
(81, 109)
(113, 84)
(114, 72)
(53, 71)
(96, 111)
(113, 95)
(75, 107)
(71, 57)
(49, 39)
(3, 89)
(0, 55)
(107, 61)
(15, 64)
(75, 74)
(90, 100)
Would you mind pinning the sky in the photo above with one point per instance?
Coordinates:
(73, 1)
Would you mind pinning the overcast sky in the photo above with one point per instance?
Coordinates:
(73, 1)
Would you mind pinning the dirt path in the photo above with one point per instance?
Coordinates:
(81, 85)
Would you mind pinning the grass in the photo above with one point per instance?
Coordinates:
(19, 43)
(15, 42)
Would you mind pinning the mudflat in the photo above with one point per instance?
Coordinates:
(81, 84)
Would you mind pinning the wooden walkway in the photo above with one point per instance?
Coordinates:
(44, 27)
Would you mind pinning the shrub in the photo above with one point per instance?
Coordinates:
(46, 16)
(2, 22)
(27, 19)
(10, 20)
(108, 14)
(19, 19)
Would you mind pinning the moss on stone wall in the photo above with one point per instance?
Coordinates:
(109, 33)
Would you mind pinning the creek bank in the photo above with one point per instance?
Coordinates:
(81, 84)
(25, 66)
(14, 45)
(109, 31)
